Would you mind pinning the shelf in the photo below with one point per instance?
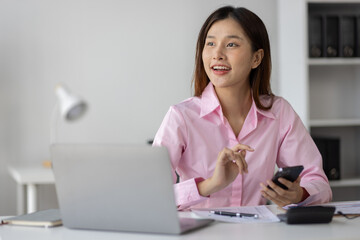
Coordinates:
(353, 182)
(333, 61)
(332, 1)
(335, 122)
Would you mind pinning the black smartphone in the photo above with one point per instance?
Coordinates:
(289, 173)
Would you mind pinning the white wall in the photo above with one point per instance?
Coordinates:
(293, 35)
(129, 59)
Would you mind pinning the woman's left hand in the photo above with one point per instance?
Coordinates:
(280, 196)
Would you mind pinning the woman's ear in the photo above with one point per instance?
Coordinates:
(257, 58)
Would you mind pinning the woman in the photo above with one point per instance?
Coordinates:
(225, 141)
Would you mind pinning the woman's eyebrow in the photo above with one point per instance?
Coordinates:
(229, 36)
(234, 36)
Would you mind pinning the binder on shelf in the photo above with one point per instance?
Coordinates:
(332, 36)
(348, 33)
(336, 26)
(357, 38)
(315, 36)
(329, 149)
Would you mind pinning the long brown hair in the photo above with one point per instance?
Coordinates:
(256, 32)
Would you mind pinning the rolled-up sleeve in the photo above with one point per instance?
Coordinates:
(298, 148)
(173, 135)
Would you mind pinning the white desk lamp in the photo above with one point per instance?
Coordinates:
(71, 107)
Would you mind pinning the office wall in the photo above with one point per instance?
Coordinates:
(129, 59)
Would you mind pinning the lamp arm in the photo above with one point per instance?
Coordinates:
(54, 123)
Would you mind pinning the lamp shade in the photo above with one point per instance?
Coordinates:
(71, 106)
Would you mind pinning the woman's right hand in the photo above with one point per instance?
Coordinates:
(230, 163)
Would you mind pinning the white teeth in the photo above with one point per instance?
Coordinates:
(220, 68)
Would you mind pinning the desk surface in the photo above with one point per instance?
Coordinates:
(339, 228)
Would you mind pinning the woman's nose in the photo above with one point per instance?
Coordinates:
(218, 54)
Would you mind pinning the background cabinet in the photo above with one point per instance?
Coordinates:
(324, 90)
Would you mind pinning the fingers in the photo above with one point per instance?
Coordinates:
(240, 147)
(280, 196)
(228, 156)
(240, 162)
(285, 182)
(273, 196)
(277, 195)
(240, 150)
(275, 188)
(297, 181)
(245, 165)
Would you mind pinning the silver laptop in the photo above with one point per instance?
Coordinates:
(117, 188)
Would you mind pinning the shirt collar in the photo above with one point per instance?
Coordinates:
(265, 113)
(210, 102)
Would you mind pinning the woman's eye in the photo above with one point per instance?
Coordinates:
(232, 45)
(210, 44)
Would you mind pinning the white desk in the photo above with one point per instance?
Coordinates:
(28, 177)
(339, 228)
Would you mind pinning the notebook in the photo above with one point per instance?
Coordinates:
(44, 218)
(117, 188)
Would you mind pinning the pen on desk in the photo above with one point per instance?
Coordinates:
(235, 214)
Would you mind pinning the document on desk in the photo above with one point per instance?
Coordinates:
(348, 207)
(264, 215)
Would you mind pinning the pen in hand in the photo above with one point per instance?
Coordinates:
(235, 214)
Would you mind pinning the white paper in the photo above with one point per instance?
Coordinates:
(351, 207)
(265, 215)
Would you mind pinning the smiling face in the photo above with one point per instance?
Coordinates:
(228, 56)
